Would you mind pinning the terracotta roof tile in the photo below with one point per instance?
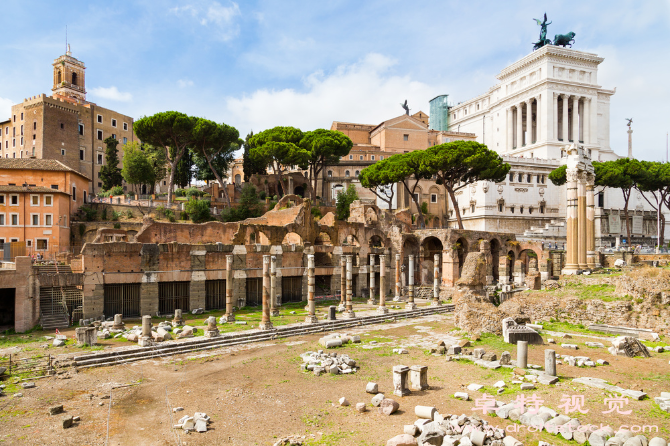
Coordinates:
(42, 189)
(37, 164)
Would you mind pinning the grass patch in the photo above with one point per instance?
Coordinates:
(574, 328)
(493, 341)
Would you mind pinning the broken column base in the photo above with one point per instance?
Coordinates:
(341, 308)
(145, 341)
(227, 318)
(121, 326)
(435, 303)
(86, 335)
(177, 322)
(410, 306)
(382, 310)
(274, 313)
(396, 299)
(265, 326)
(311, 319)
(349, 314)
(371, 302)
(212, 333)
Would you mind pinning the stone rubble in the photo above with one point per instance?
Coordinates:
(628, 346)
(198, 422)
(663, 401)
(337, 340)
(320, 362)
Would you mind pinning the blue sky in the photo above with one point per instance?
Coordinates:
(259, 64)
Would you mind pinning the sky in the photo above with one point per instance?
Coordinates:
(259, 64)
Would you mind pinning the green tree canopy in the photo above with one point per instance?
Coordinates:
(249, 207)
(558, 176)
(344, 200)
(459, 163)
(278, 148)
(324, 148)
(172, 131)
(110, 172)
(248, 165)
(653, 179)
(137, 169)
(380, 178)
(218, 142)
(156, 157)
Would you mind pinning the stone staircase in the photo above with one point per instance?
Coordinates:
(555, 229)
(169, 348)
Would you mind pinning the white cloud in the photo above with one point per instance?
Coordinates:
(213, 14)
(112, 93)
(183, 83)
(5, 108)
(365, 92)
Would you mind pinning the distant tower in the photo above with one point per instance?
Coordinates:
(69, 77)
(439, 113)
(630, 138)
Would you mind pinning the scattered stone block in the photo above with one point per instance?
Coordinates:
(360, 407)
(67, 421)
(475, 387)
(388, 406)
(372, 388)
(402, 440)
(55, 410)
(28, 385)
(426, 412)
(377, 399)
(343, 401)
(500, 384)
(629, 346)
(454, 350)
(462, 396)
(411, 429)
(570, 346)
(527, 386)
(506, 358)
(657, 441)
(602, 362)
(594, 344)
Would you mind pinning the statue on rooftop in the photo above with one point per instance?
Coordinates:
(406, 107)
(564, 39)
(543, 33)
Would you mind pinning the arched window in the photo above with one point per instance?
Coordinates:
(330, 173)
(347, 173)
(511, 176)
(356, 174)
(74, 78)
(59, 77)
(238, 179)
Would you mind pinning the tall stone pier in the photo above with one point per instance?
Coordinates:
(410, 285)
(371, 300)
(266, 324)
(580, 213)
(382, 285)
(397, 278)
(343, 283)
(349, 312)
(436, 280)
(311, 317)
(274, 311)
(230, 315)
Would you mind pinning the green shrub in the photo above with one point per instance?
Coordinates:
(192, 192)
(316, 212)
(262, 195)
(180, 192)
(82, 229)
(115, 215)
(198, 210)
(89, 214)
(129, 214)
(424, 208)
(104, 214)
(160, 211)
(169, 214)
(116, 190)
(183, 215)
(344, 200)
(117, 225)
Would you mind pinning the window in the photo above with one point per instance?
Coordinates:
(433, 198)
(520, 209)
(405, 137)
(416, 197)
(35, 219)
(529, 178)
(511, 209)
(34, 137)
(543, 178)
(381, 158)
(99, 119)
(99, 183)
(2, 200)
(99, 158)
(601, 199)
(21, 116)
(100, 135)
(519, 178)
(15, 219)
(114, 135)
(125, 126)
(472, 208)
(85, 192)
(62, 126)
(511, 176)
(113, 122)
(125, 140)
(34, 200)
(372, 157)
(356, 173)
(48, 200)
(360, 157)
(351, 157)
(29, 243)
(48, 220)
(347, 174)
(22, 129)
(330, 173)
(35, 125)
(2, 220)
(81, 154)
(501, 207)
(13, 142)
(42, 244)
(62, 152)
(541, 209)
(530, 210)
(54, 186)
(81, 129)
(13, 200)
(74, 193)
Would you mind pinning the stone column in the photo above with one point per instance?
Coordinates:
(519, 126)
(274, 311)
(564, 122)
(550, 362)
(371, 300)
(591, 261)
(230, 315)
(118, 322)
(211, 331)
(538, 118)
(343, 282)
(554, 120)
(571, 223)
(630, 148)
(311, 317)
(178, 319)
(436, 280)
(400, 373)
(349, 312)
(397, 278)
(145, 340)
(529, 121)
(581, 219)
(266, 324)
(522, 354)
(580, 132)
(382, 285)
(510, 129)
(575, 119)
(587, 120)
(410, 285)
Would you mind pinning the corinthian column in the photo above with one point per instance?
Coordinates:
(519, 126)
(554, 120)
(581, 217)
(587, 120)
(343, 282)
(591, 260)
(575, 119)
(510, 129)
(564, 122)
(529, 121)
(571, 222)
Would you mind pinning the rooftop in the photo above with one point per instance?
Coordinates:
(37, 164)
(33, 189)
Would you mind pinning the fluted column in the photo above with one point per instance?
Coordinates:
(349, 312)
(587, 120)
(265, 320)
(382, 285)
(581, 212)
(572, 261)
(274, 311)
(371, 300)
(510, 129)
(397, 278)
(575, 119)
(529, 122)
(564, 122)
(436, 280)
(410, 284)
(343, 282)
(519, 126)
(591, 260)
(555, 119)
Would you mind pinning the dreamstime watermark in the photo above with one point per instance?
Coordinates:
(569, 428)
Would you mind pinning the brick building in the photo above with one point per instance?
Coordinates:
(37, 199)
(65, 126)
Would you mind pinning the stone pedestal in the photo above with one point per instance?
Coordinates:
(418, 377)
(550, 362)
(178, 319)
(400, 373)
(118, 322)
(522, 354)
(86, 335)
(332, 313)
(211, 331)
(382, 310)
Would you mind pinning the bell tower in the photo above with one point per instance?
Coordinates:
(69, 78)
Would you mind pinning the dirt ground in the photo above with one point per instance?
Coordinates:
(257, 393)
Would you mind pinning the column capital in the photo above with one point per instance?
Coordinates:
(529, 101)
(556, 95)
